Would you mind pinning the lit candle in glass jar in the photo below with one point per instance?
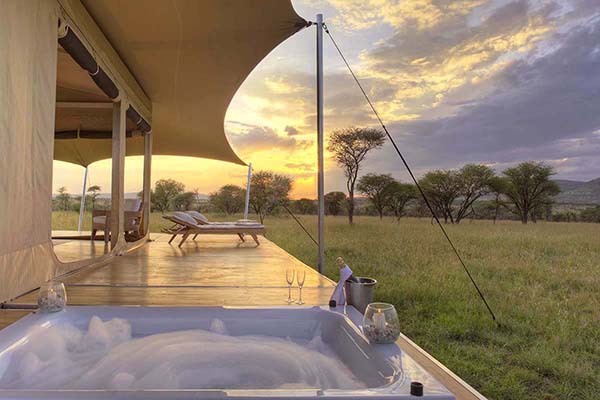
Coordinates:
(51, 296)
(379, 320)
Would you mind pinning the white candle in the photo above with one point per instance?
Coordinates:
(379, 320)
(52, 296)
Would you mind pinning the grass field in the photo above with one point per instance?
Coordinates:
(542, 280)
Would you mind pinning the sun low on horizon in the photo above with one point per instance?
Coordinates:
(455, 82)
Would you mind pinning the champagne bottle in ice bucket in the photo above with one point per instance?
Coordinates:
(359, 291)
(338, 297)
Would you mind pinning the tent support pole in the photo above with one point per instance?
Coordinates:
(320, 183)
(117, 214)
(147, 183)
(82, 205)
(247, 204)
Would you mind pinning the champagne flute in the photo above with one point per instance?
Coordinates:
(289, 277)
(300, 276)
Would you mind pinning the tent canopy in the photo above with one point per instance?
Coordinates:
(188, 56)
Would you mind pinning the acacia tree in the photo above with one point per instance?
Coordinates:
(229, 199)
(350, 146)
(498, 186)
(93, 191)
(530, 188)
(183, 201)
(268, 191)
(453, 193)
(165, 191)
(334, 202)
(305, 206)
(376, 187)
(442, 188)
(400, 194)
(473, 181)
(63, 198)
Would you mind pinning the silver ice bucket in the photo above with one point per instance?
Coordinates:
(359, 294)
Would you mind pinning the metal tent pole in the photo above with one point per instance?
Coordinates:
(247, 204)
(82, 205)
(148, 137)
(320, 183)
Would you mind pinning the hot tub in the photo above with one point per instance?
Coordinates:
(204, 353)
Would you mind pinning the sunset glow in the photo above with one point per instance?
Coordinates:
(441, 74)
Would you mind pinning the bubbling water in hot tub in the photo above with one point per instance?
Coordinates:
(107, 357)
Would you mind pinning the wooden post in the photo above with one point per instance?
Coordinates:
(321, 165)
(117, 214)
(82, 204)
(247, 202)
(147, 182)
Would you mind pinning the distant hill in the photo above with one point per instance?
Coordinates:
(567, 185)
(574, 192)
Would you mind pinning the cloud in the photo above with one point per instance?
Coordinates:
(258, 138)
(250, 138)
(542, 108)
(304, 167)
(426, 67)
(495, 82)
(291, 131)
(417, 14)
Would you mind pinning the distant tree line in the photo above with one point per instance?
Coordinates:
(474, 191)
(64, 201)
(524, 192)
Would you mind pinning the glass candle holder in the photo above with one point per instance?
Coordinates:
(52, 297)
(380, 323)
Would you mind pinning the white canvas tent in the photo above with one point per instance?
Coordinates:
(160, 72)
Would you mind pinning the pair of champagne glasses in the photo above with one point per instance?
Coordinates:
(300, 276)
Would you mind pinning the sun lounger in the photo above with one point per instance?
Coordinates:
(186, 225)
(201, 219)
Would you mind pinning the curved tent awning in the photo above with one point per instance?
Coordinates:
(87, 151)
(189, 57)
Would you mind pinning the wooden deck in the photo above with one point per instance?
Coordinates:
(212, 271)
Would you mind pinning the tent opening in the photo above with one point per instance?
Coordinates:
(85, 112)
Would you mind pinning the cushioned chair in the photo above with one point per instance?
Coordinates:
(132, 222)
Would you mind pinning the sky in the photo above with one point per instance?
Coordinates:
(468, 81)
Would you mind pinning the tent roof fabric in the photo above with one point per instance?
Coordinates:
(190, 57)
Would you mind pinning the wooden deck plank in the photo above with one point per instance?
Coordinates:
(75, 250)
(439, 371)
(7, 317)
(214, 270)
(217, 262)
(169, 296)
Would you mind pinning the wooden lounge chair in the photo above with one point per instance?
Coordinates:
(186, 225)
(203, 220)
(132, 222)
